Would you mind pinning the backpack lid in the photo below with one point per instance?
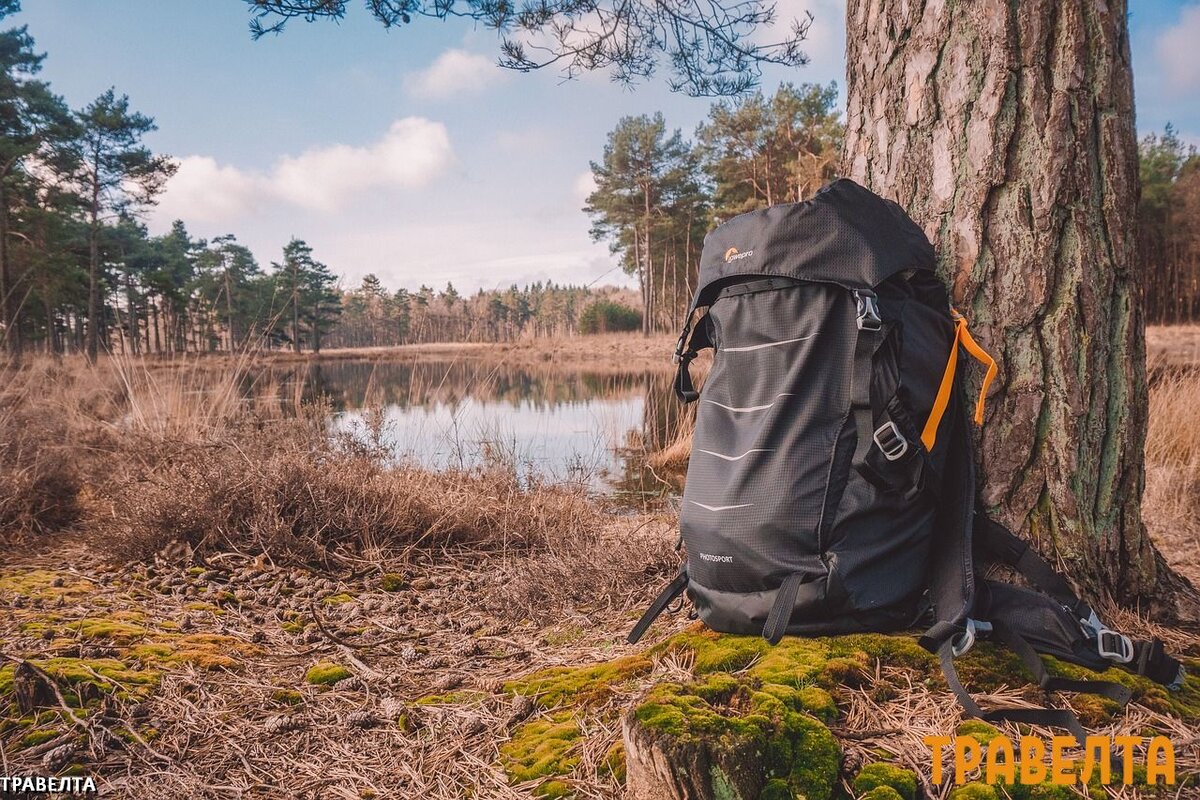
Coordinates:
(844, 234)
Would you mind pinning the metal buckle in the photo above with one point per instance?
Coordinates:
(1114, 646)
(868, 311)
(896, 445)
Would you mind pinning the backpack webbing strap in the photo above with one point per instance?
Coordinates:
(664, 599)
(963, 338)
(781, 609)
(685, 350)
(1000, 544)
(1050, 717)
(1051, 683)
(866, 343)
(896, 463)
(1149, 657)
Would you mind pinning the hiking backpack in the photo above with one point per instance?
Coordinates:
(831, 486)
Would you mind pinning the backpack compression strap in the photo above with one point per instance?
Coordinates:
(1144, 657)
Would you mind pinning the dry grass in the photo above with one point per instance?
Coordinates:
(1171, 504)
(245, 518)
(619, 353)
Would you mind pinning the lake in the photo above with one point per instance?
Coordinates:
(594, 429)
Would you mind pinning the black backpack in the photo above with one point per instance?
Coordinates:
(831, 486)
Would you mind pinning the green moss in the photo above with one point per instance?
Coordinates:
(194, 571)
(733, 718)
(293, 626)
(39, 736)
(552, 790)
(84, 681)
(716, 652)
(989, 666)
(109, 630)
(39, 584)
(579, 686)
(459, 698)
(975, 791)
(882, 793)
(613, 763)
(393, 582)
(982, 731)
(338, 599)
(903, 781)
(324, 673)
(776, 789)
(287, 697)
(199, 606)
(824, 661)
(208, 651)
(108, 672)
(543, 749)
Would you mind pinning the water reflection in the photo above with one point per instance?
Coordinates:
(593, 428)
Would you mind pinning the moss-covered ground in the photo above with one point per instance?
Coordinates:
(114, 642)
(745, 695)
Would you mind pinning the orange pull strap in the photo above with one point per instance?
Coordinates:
(980, 355)
(962, 336)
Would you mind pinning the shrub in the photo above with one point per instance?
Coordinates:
(605, 316)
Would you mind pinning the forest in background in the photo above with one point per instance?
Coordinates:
(80, 272)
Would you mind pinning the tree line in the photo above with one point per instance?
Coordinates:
(1169, 228)
(79, 271)
(657, 194)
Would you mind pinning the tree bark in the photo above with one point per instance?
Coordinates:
(1007, 131)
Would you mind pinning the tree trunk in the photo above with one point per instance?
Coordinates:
(94, 312)
(1007, 131)
(664, 767)
(8, 291)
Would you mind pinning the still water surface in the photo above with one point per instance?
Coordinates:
(592, 428)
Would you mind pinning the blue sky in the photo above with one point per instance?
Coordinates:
(407, 153)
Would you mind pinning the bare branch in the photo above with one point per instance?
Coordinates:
(709, 46)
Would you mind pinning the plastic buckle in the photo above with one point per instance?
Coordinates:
(1114, 646)
(868, 311)
(965, 640)
(895, 445)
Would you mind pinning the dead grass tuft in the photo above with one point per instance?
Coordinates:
(287, 490)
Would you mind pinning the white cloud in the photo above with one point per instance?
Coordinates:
(584, 185)
(412, 152)
(1179, 53)
(454, 72)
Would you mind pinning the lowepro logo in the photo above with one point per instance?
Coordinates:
(732, 254)
(716, 559)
